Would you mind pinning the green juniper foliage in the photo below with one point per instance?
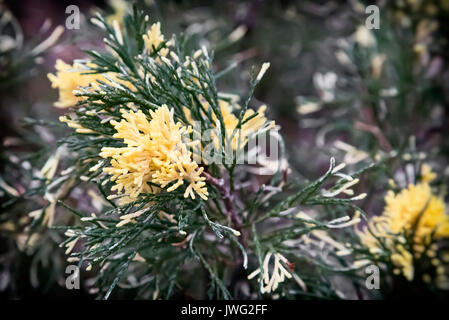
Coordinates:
(217, 237)
(152, 192)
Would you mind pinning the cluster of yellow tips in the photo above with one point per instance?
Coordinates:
(154, 38)
(155, 154)
(248, 128)
(239, 138)
(414, 211)
(69, 78)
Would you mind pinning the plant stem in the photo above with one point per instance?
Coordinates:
(228, 198)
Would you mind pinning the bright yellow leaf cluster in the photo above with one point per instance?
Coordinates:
(248, 128)
(69, 78)
(155, 154)
(414, 211)
(154, 38)
(427, 175)
(416, 204)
